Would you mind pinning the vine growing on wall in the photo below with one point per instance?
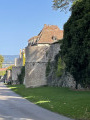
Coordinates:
(48, 68)
(21, 75)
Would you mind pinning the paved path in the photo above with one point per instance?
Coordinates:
(14, 107)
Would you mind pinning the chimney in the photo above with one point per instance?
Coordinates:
(45, 25)
(20, 53)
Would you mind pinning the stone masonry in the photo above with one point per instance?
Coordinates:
(39, 51)
(37, 58)
(16, 70)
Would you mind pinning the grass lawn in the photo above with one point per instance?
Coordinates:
(73, 104)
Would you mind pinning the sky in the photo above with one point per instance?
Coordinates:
(22, 19)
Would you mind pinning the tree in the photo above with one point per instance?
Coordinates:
(75, 49)
(62, 4)
(1, 60)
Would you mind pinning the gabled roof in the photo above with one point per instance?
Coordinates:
(47, 33)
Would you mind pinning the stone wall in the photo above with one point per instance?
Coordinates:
(66, 80)
(37, 57)
(18, 61)
(18, 65)
(35, 74)
(9, 74)
(15, 72)
(53, 51)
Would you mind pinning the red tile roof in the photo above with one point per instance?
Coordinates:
(3, 69)
(47, 33)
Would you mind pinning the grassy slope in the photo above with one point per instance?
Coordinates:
(74, 104)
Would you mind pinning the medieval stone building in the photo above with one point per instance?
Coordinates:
(40, 50)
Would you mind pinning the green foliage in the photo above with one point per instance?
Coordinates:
(48, 69)
(10, 67)
(74, 104)
(75, 48)
(2, 73)
(62, 4)
(22, 75)
(60, 67)
(1, 60)
(57, 67)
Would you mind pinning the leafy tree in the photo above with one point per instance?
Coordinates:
(62, 4)
(1, 60)
(75, 49)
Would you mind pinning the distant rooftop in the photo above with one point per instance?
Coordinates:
(3, 69)
(49, 34)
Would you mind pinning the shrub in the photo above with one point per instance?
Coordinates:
(75, 48)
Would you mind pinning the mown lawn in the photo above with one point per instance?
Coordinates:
(73, 104)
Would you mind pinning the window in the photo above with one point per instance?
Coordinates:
(54, 38)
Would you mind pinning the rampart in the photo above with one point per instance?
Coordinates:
(37, 57)
(15, 72)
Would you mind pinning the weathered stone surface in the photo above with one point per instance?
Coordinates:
(18, 61)
(66, 80)
(18, 65)
(37, 57)
(35, 74)
(79, 87)
(15, 72)
(9, 74)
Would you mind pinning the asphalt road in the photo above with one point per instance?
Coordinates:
(14, 107)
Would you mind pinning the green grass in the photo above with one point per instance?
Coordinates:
(73, 104)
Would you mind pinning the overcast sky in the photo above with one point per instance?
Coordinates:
(23, 19)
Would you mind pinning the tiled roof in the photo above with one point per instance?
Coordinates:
(3, 69)
(47, 33)
(35, 37)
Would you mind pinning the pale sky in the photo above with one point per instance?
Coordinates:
(22, 19)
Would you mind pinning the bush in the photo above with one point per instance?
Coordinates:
(2, 73)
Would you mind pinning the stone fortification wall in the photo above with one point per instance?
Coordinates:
(36, 53)
(19, 62)
(37, 57)
(15, 72)
(9, 74)
(66, 80)
(52, 51)
(35, 74)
